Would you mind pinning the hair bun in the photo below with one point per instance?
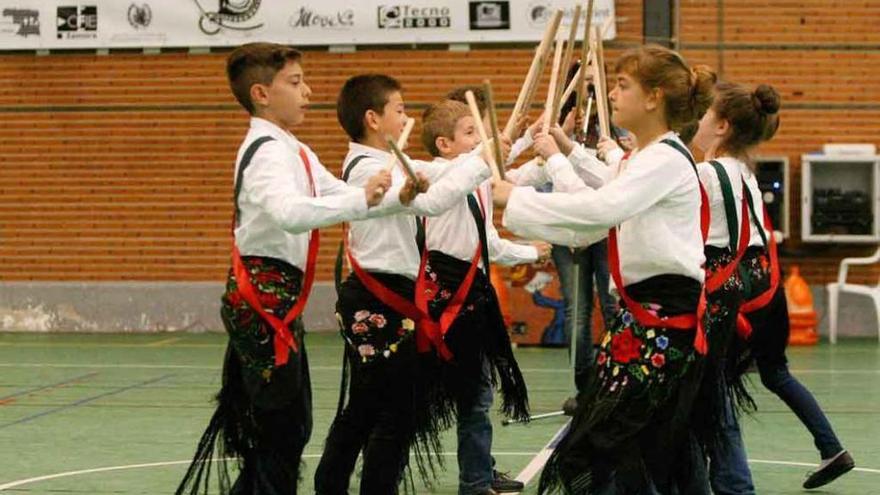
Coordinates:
(766, 99)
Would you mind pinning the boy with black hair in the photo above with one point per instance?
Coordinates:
(283, 194)
(395, 402)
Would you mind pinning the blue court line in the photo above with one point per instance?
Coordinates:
(51, 385)
(84, 401)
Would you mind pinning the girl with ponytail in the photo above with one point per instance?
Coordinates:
(739, 119)
(631, 432)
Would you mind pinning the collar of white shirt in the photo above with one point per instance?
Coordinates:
(362, 149)
(264, 127)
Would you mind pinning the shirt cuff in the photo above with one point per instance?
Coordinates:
(614, 156)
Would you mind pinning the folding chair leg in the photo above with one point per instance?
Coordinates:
(833, 298)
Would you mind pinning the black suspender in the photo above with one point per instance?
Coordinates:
(245, 161)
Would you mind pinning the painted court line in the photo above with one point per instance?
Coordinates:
(47, 387)
(66, 474)
(82, 401)
(163, 342)
(337, 368)
(540, 460)
(17, 483)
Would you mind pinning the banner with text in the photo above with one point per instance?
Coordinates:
(59, 24)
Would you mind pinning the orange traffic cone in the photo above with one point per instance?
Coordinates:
(801, 312)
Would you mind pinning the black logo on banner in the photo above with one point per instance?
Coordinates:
(306, 17)
(26, 20)
(77, 22)
(139, 16)
(408, 17)
(230, 14)
(490, 15)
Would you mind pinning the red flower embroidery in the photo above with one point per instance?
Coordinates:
(625, 346)
(658, 360)
(602, 359)
(359, 327)
(269, 300)
(234, 298)
(264, 277)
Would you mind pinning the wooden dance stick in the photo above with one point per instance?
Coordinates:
(566, 60)
(478, 121)
(493, 122)
(527, 92)
(404, 163)
(601, 85)
(550, 103)
(401, 142)
(585, 55)
(574, 81)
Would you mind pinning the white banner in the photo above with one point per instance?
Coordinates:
(58, 24)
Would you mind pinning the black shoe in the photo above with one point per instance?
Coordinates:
(504, 483)
(841, 465)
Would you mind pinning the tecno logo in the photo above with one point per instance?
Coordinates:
(408, 16)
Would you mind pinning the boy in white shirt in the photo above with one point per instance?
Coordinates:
(395, 401)
(283, 194)
(460, 244)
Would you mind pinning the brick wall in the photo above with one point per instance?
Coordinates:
(119, 167)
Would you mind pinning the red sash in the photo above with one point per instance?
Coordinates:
(743, 327)
(643, 316)
(450, 313)
(283, 339)
(714, 282)
(427, 331)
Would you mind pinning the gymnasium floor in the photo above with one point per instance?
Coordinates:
(120, 414)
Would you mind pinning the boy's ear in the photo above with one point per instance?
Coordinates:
(259, 95)
(371, 120)
(444, 146)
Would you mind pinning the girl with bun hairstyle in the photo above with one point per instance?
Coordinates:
(740, 119)
(631, 432)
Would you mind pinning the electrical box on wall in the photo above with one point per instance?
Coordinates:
(840, 194)
(773, 181)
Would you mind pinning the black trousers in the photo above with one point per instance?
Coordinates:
(282, 413)
(378, 421)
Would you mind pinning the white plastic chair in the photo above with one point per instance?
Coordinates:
(834, 290)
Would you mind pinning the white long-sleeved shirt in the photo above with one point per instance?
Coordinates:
(455, 232)
(519, 147)
(758, 201)
(388, 244)
(655, 201)
(277, 209)
(719, 233)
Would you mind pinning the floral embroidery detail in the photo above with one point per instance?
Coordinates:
(658, 360)
(625, 346)
(662, 342)
(276, 285)
(408, 324)
(377, 320)
(632, 356)
(368, 333)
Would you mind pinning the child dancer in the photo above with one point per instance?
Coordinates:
(630, 433)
